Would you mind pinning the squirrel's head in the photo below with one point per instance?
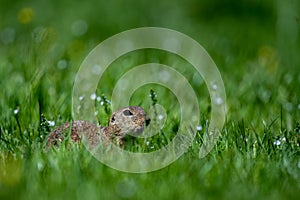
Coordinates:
(130, 120)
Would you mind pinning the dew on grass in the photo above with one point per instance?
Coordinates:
(96, 113)
(214, 87)
(7, 36)
(93, 96)
(277, 142)
(51, 123)
(16, 111)
(79, 27)
(81, 98)
(218, 100)
(299, 106)
(98, 98)
(199, 128)
(147, 143)
(160, 117)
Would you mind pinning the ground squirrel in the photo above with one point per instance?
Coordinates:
(127, 120)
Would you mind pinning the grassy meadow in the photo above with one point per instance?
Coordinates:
(255, 45)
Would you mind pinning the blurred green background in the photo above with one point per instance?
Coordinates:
(255, 45)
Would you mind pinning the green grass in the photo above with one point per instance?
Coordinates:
(256, 157)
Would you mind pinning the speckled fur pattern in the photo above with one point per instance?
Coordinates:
(127, 120)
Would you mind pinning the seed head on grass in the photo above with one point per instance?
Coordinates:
(44, 127)
(106, 103)
(153, 97)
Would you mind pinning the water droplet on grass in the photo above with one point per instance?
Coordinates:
(16, 111)
(51, 123)
(218, 100)
(98, 99)
(214, 87)
(277, 142)
(93, 96)
(160, 117)
(199, 128)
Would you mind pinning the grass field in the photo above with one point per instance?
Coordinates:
(255, 45)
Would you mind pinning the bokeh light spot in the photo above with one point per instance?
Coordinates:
(79, 27)
(7, 36)
(25, 15)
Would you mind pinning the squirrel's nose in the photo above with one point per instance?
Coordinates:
(147, 119)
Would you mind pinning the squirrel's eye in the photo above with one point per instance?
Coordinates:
(127, 112)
